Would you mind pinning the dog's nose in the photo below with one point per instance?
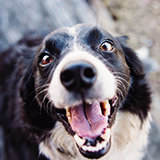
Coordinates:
(78, 75)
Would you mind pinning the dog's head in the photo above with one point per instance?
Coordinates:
(81, 73)
(81, 77)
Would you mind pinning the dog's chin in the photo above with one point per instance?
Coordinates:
(95, 151)
(90, 125)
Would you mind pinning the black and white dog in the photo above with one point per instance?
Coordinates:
(82, 95)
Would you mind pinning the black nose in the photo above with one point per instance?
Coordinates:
(78, 75)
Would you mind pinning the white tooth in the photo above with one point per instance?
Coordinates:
(108, 108)
(99, 146)
(96, 149)
(90, 148)
(106, 135)
(68, 114)
(79, 140)
(84, 148)
(104, 143)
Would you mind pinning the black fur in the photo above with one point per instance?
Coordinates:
(24, 122)
(20, 115)
(138, 99)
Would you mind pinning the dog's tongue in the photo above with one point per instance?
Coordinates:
(88, 121)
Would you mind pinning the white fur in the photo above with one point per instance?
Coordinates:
(59, 139)
(129, 140)
(61, 98)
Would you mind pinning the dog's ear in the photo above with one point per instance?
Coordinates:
(135, 65)
(28, 46)
(27, 85)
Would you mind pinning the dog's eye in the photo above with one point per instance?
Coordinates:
(46, 60)
(106, 46)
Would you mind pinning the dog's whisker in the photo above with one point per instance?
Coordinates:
(120, 92)
(43, 101)
(121, 85)
(44, 90)
(39, 88)
(119, 73)
(46, 95)
(122, 79)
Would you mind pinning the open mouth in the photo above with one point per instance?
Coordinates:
(91, 124)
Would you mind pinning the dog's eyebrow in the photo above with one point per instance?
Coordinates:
(49, 43)
(53, 45)
(94, 36)
(96, 32)
(57, 41)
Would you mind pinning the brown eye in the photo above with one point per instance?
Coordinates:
(106, 46)
(46, 60)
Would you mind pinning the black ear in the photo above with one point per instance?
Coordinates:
(135, 65)
(28, 47)
(27, 85)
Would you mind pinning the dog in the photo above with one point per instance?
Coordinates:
(77, 93)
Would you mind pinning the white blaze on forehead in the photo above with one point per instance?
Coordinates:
(103, 88)
(72, 31)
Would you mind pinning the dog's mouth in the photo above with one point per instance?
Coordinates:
(91, 124)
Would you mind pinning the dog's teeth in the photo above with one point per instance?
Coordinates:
(99, 146)
(106, 135)
(90, 148)
(68, 114)
(106, 108)
(79, 140)
(104, 143)
(84, 148)
(96, 148)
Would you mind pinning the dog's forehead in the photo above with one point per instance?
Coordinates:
(78, 37)
(78, 32)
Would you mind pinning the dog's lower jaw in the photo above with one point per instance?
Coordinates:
(128, 141)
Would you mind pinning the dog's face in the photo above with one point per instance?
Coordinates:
(82, 76)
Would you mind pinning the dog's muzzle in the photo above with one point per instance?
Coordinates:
(85, 88)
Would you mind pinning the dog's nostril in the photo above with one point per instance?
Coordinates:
(88, 75)
(89, 72)
(67, 78)
(78, 75)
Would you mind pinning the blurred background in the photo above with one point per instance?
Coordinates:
(138, 19)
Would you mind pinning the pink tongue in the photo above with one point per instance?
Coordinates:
(89, 123)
